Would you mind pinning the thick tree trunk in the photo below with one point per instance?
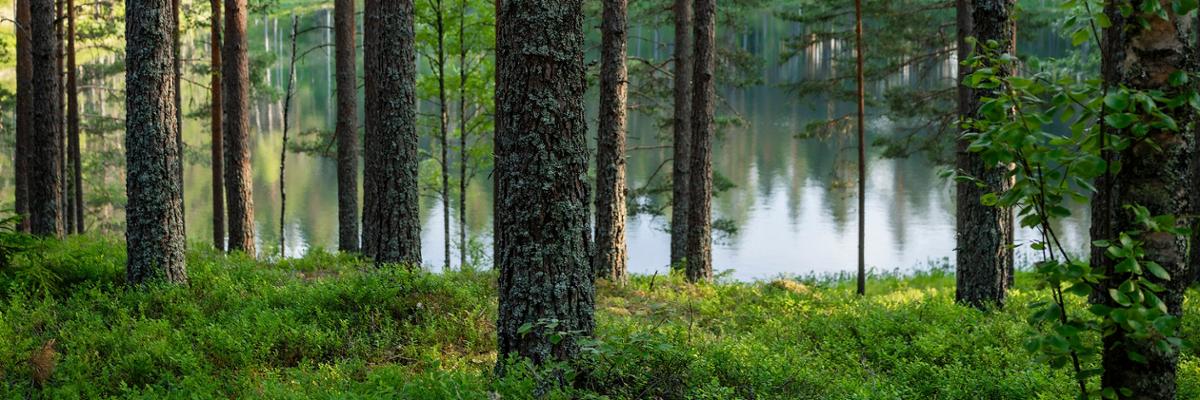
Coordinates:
(610, 257)
(24, 115)
(73, 122)
(235, 82)
(154, 214)
(218, 159)
(682, 125)
(391, 224)
(1154, 174)
(984, 255)
(699, 246)
(45, 161)
(541, 190)
(347, 126)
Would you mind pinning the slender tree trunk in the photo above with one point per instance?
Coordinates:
(444, 120)
(682, 125)
(984, 237)
(218, 159)
(463, 132)
(541, 167)
(64, 164)
(45, 159)
(287, 108)
(1154, 174)
(235, 76)
(610, 257)
(862, 149)
(391, 224)
(175, 48)
(347, 126)
(699, 248)
(24, 117)
(73, 121)
(154, 217)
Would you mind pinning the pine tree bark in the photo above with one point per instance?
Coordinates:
(682, 125)
(984, 233)
(1154, 174)
(217, 111)
(541, 216)
(24, 117)
(175, 46)
(73, 122)
(610, 258)
(391, 224)
(347, 126)
(154, 213)
(45, 159)
(67, 209)
(239, 198)
(699, 246)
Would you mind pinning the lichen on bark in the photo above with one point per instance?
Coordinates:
(541, 216)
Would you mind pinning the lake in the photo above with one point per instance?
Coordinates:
(793, 204)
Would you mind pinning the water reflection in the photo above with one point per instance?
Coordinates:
(793, 204)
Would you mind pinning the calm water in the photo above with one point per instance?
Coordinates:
(793, 204)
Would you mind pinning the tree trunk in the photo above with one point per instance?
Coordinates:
(699, 246)
(443, 121)
(218, 159)
(73, 121)
(24, 115)
(463, 132)
(1154, 174)
(681, 160)
(235, 82)
(610, 257)
(45, 161)
(984, 255)
(391, 224)
(175, 48)
(154, 213)
(540, 176)
(66, 208)
(862, 149)
(347, 126)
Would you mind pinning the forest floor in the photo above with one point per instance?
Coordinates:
(327, 326)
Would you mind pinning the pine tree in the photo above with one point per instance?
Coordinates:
(154, 213)
(391, 224)
(347, 126)
(546, 283)
(610, 258)
(699, 247)
(235, 75)
(985, 233)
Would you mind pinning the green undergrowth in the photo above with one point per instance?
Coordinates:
(328, 326)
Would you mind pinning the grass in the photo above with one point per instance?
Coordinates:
(329, 326)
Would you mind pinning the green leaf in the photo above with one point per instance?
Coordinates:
(1079, 37)
(1136, 357)
(1178, 78)
(1117, 101)
(1157, 270)
(1120, 120)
